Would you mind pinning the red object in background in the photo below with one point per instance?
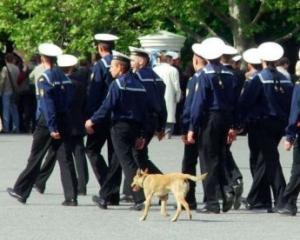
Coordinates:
(21, 78)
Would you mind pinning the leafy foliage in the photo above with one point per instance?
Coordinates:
(72, 23)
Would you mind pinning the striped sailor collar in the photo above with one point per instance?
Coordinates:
(106, 60)
(209, 69)
(122, 80)
(146, 74)
(265, 76)
(65, 80)
(254, 74)
(198, 73)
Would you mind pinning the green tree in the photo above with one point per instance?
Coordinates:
(72, 23)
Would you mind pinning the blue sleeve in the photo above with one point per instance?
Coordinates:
(96, 90)
(199, 103)
(47, 104)
(248, 97)
(291, 130)
(108, 104)
(162, 115)
(237, 93)
(185, 118)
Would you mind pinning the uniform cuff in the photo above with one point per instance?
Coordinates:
(290, 138)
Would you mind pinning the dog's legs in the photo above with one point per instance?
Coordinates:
(187, 208)
(163, 207)
(147, 206)
(178, 211)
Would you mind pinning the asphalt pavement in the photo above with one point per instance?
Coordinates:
(44, 218)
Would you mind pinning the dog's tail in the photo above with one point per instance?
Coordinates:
(196, 178)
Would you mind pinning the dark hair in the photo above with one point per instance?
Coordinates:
(52, 60)
(257, 66)
(215, 61)
(124, 64)
(9, 57)
(106, 46)
(271, 66)
(226, 58)
(282, 61)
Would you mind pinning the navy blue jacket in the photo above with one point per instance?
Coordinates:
(56, 93)
(240, 76)
(268, 94)
(78, 105)
(252, 114)
(99, 84)
(155, 89)
(126, 100)
(216, 90)
(185, 117)
(292, 130)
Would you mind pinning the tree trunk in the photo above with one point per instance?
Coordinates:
(239, 12)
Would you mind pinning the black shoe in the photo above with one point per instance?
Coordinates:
(209, 209)
(257, 206)
(193, 206)
(113, 203)
(113, 200)
(288, 209)
(13, 194)
(70, 203)
(81, 192)
(227, 201)
(100, 202)
(238, 191)
(39, 189)
(137, 206)
(126, 198)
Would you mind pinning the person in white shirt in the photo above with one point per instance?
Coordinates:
(170, 76)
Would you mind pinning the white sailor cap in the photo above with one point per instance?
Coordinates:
(120, 57)
(270, 51)
(49, 49)
(66, 60)
(139, 51)
(105, 37)
(212, 48)
(237, 58)
(252, 56)
(196, 47)
(172, 54)
(229, 50)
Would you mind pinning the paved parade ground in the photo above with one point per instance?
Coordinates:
(44, 218)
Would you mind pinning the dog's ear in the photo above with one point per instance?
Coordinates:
(146, 170)
(138, 172)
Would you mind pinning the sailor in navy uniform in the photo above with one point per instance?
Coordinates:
(126, 106)
(212, 115)
(233, 173)
(268, 95)
(67, 63)
(56, 95)
(190, 157)
(157, 113)
(97, 91)
(290, 195)
(264, 198)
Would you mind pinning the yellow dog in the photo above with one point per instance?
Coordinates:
(160, 185)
